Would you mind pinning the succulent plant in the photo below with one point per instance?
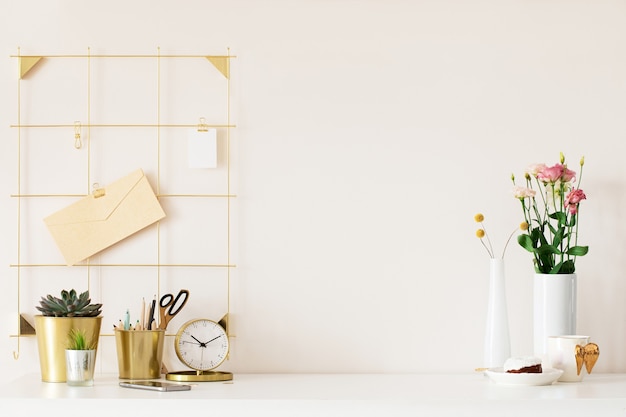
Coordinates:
(69, 305)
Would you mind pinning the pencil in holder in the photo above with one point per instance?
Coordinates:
(139, 353)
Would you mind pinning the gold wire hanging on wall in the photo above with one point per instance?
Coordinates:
(26, 64)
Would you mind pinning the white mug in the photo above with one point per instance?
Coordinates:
(562, 355)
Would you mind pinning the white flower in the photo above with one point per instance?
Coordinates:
(523, 192)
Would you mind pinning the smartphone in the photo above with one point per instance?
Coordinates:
(155, 385)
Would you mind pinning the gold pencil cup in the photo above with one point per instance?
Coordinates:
(139, 353)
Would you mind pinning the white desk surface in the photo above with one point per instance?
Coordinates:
(297, 395)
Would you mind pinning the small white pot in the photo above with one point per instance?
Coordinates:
(79, 367)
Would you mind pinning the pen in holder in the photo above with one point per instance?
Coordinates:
(139, 353)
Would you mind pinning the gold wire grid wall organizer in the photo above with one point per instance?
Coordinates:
(82, 137)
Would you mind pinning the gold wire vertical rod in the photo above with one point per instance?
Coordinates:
(88, 146)
(158, 187)
(89, 125)
(158, 117)
(16, 355)
(228, 192)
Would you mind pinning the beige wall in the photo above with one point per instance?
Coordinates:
(368, 135)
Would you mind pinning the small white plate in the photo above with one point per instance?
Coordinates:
(547, 377)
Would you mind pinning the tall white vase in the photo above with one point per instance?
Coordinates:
(497, 339)
(554, 309)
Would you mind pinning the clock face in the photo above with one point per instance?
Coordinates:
(201, 344)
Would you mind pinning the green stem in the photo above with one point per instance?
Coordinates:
(488, 251)
(580, 177)
(526, 211)
(564, 210)
(507, 242)
(490, 248)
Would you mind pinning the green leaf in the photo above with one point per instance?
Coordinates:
(578, 250)
(560, 217)
(568, 267)
(548, 249)
(543, 268)
(538, 237)
(558, 236)
(572, 221)
(553, 229)
(526, 242)
(556, 268)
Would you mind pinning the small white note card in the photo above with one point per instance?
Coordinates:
(202, 147)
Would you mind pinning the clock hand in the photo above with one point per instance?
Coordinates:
(201, 344)
(217, 337)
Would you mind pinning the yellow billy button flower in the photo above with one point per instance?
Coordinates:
(582, 161)
(482, 233)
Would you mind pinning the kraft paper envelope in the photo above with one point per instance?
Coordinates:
(105, 217)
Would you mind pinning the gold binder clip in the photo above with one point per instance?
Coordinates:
(78, 143)
(97, 191)
(202, 126)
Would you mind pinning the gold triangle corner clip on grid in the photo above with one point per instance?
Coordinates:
(222, 64)
(26, 63)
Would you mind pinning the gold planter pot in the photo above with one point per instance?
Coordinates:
(52, 339)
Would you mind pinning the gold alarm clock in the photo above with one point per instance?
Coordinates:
(202, 345)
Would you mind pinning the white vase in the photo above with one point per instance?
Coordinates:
(554, 309)
(497, 339)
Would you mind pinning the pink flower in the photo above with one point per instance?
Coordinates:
(550, 174)
(568, 175)
(575, 197)
(558, 172)
(523, 192)
(535, 169)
